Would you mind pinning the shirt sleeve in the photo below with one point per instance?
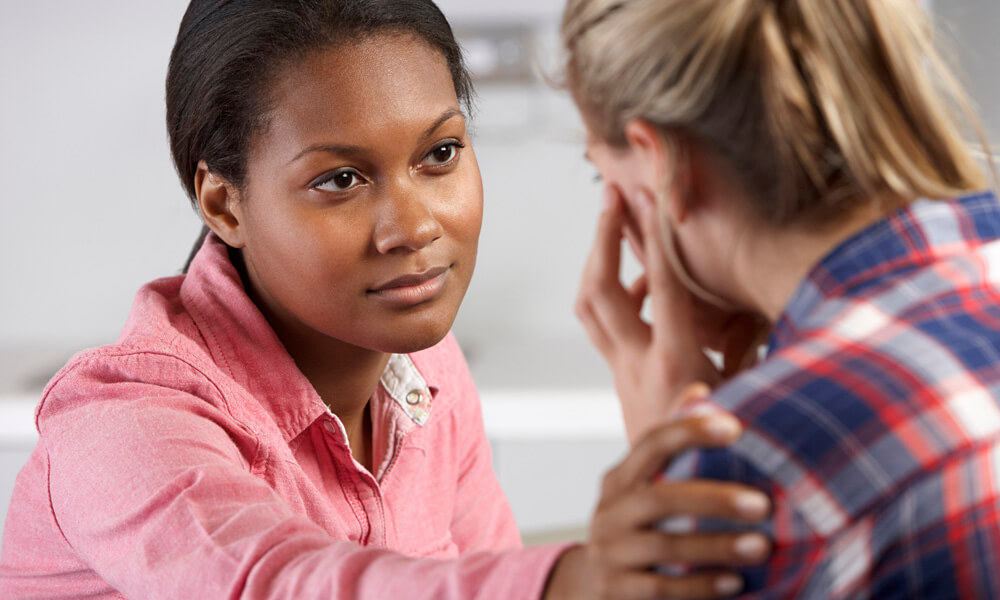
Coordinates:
(153, 493)
(482, 518)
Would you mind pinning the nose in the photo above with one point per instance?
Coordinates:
(405, 222)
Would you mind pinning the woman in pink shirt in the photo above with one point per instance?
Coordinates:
(291, 418)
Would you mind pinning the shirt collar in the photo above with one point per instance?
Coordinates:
(244, 345)
(408, 388)
(921, 232)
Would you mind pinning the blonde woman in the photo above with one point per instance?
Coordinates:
(802, 161)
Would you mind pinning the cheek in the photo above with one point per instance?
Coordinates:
(471, 217)
(703, 254)
(463, 210)
(296, 253)
(626, 177)
(615, 172)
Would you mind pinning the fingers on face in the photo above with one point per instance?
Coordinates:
(634, 237)
(605, 258)
(593, 284)
(638, 292)
(671, 303)
(595, 331)
(606, 308)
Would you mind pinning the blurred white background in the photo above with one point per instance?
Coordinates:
(91, 209)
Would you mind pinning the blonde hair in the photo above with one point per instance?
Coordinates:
(818, 105)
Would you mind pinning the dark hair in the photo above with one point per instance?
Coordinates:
(229, 52)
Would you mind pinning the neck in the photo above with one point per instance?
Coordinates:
(344, 375)
(771, 265)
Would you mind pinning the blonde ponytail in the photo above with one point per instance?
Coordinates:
(817, 104)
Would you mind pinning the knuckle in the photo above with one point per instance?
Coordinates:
(654, 502)
(668, 548)
(664, 496)
(604, 587)
(591, 293)
(695, 549)
(669, 438)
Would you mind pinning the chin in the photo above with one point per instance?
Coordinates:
(416, 337)
(413, 343)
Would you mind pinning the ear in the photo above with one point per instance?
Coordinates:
(218, 202)
(660, 166)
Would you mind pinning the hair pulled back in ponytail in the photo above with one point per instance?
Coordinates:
(818, 105)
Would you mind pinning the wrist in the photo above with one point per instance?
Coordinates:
(567, 580)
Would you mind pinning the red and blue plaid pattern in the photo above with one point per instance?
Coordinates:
(874, 422)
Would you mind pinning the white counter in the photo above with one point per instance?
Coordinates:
(17, 420)
(17, 438)
(550, 449)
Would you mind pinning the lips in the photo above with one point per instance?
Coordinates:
(412, 289)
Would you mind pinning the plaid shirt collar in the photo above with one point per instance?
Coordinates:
(917, 234)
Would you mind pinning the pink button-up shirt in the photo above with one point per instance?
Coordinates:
(194, 460)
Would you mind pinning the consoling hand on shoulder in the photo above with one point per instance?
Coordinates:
(626, 547)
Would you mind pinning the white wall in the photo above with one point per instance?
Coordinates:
(91, 207)
(970, 27)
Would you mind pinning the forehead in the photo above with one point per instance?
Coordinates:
(384, 82)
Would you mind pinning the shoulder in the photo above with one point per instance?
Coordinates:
(160, 316)
(127, 377)
(840, 428)
(117, 404)
(160, 347)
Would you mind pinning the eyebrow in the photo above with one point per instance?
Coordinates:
(446, 116)
(349, 149)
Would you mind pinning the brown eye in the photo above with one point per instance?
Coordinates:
(443, 154)
(338, 181)
(343, 180)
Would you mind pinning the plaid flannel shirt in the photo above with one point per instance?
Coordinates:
(873, 423)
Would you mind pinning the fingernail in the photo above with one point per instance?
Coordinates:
(750, 546)
(698, 391)
(701, 409)
(727, 585)
(723, 427)
(752, 505)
